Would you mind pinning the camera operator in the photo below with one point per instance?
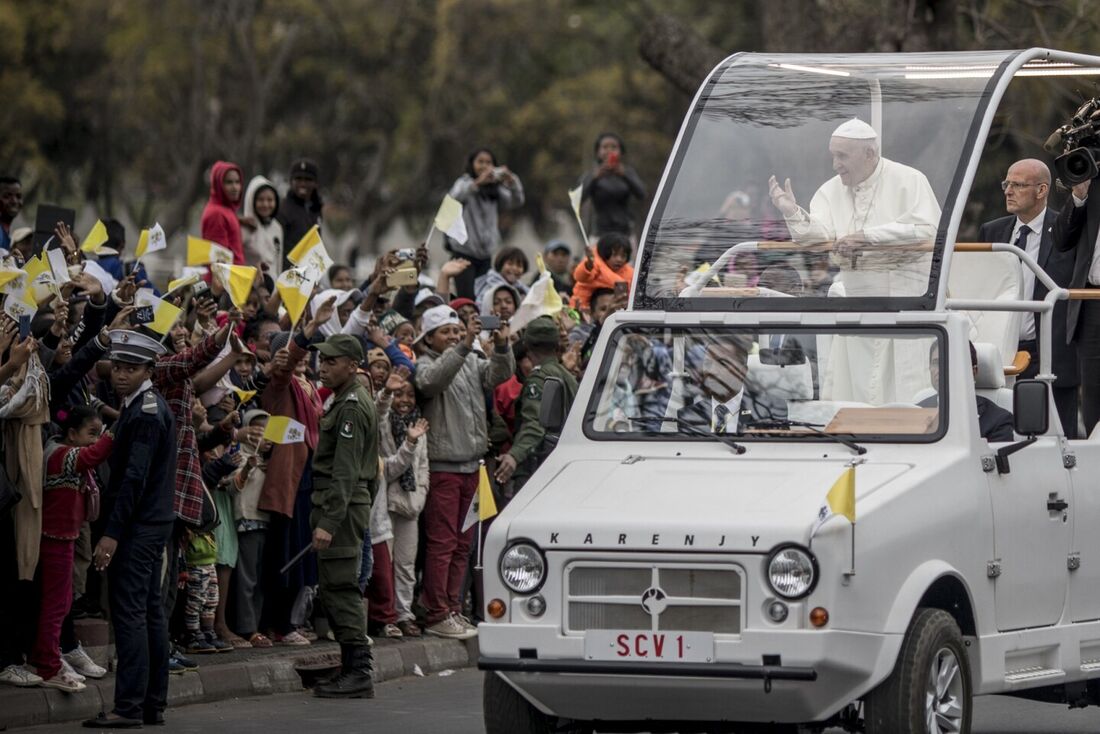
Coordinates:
(1076, 229)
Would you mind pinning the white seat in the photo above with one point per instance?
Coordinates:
(990, 380)
(784, 382)
(996, 276)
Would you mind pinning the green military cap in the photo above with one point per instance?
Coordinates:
(543, 331)
(341, 345)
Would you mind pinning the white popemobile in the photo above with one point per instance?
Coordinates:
(799, 324)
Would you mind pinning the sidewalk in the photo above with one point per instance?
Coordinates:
(238, 674)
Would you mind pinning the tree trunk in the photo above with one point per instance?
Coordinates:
(678, 52)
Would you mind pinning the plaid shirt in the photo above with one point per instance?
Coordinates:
(172, 377)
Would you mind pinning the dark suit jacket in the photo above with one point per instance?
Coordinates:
(1059, 266)
(1075, 231)
(994, 422)
(699, 412)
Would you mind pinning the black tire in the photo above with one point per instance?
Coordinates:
(900, 704)
(507, 712)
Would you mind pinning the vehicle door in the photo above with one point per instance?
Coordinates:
(1084, 563)
(1032, 535)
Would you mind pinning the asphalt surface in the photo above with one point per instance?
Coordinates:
(451, 704)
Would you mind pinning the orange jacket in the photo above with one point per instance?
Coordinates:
(600, 276)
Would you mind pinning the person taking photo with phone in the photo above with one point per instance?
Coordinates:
(610, 185)
(485, 189)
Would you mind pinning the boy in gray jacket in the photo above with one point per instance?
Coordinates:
(453, 380)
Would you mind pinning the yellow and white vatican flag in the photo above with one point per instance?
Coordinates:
(841, 500)
(7, 278)
(95, 237)
(449, 221)
(310, 254)
(40, 280)
(483, 505)
(541, 300)
(295, 287)
(18, 294)
(151, 240)
(243, 395)
(284, 429)
(575, 204)
(165, 314)
(236, 279)
(205, 252)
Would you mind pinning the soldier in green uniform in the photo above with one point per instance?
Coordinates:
(345, 475)
(528, 450)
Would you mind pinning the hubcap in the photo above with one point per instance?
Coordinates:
(943, 700)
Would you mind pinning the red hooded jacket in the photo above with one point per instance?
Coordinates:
(219, 216)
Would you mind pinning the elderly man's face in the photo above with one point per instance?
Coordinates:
(722, 373)
(853, 160)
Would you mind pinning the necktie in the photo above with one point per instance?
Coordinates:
(721, 418)
(1021, 238)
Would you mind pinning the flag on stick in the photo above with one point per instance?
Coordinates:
(541, 300)
(295, 288)
(243, 395)
(575, 203)
(310, 254)
(165, 314)
(236, 279)
(151, 240)
(284, 429)
(95, 238)
(205, 252)
(484, 505)
(448, 219)
(841, 500)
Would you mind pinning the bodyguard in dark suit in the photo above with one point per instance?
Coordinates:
(1030, 226)
(139, 512)
(724, 403)
(1075, 232)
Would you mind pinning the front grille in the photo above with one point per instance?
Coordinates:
(609, 596)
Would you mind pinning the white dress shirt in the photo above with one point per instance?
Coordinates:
(147, 385)
(734, 407)
(1034, 240)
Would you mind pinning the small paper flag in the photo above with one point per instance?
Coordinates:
(244, 395)
(449, 220)
(151, 240)
(96, 237)
(310, 254)
(284, 429)
(236, 279)
(205, 252)
(165, 314)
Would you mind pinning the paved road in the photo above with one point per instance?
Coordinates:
(452, 705)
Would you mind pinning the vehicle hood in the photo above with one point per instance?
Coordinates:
(685, 503)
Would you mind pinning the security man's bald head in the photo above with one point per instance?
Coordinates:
(1026, 187)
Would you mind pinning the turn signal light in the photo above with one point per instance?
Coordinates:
(819, 616)
(496, 609)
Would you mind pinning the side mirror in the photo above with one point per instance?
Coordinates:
(1030, 407)
(552, 410)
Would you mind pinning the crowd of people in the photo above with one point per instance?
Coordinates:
(143, 483)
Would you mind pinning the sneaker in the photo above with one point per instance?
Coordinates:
(216, 642)
(293, 639)
(68, 670)
(64, 681)
(17, 675)
(452, 628)
(175, 667)
(184, 662)
(391, 631)
(466, 622)
(82, 663)
(197, 644)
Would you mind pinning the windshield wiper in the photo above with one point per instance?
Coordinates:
(781, 424)
(690, 428)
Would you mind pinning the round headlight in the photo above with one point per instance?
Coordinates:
(792, 572)
(522, 568)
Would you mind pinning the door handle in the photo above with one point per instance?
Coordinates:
(1057, 505)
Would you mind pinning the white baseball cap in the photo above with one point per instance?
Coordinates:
(426, 294)
(436, 317)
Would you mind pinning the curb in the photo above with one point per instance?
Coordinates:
(266, 674)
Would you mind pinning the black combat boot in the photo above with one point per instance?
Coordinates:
(355, 679)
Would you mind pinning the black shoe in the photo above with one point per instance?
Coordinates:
(154, 719)
(355, 680)
(105, 721)
(185, 664)
(216, 642)
(197, 644)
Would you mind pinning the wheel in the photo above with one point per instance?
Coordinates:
(507, 712)
(929, 691)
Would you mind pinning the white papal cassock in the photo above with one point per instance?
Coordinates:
(894, 207)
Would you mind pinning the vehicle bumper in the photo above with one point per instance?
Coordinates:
(817, 674)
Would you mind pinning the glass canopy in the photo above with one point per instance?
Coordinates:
(819, 182)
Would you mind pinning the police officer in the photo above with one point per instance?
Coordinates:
(529, 448)
(345, 472)
(139, 511)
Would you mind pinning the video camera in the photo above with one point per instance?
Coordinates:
(1079, 143)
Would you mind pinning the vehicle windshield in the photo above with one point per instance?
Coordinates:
(813, 178)
(786, 382)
